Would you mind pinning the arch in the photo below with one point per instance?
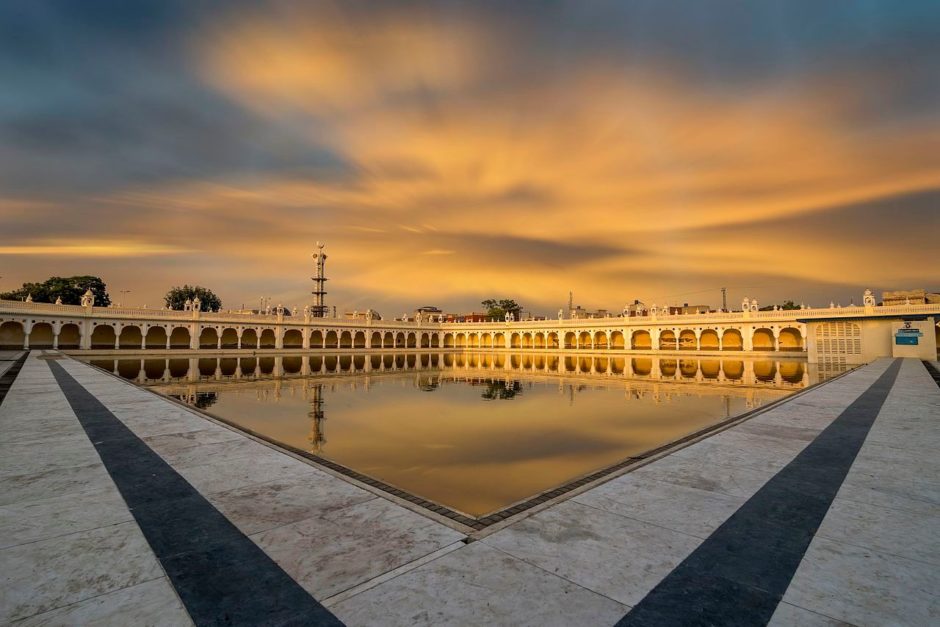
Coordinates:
(600, 340)
(687, 340)
(375, 340)
(331, 340)
(425, 340)
(400, 339)
(268, 339)
(668, 340)
(790, 339)
(526, 340)
(13, 336)
(584, 340)
(291, 364)
(250, 339)
(359, 339)
(539, 340)
(41, 336)
(104, 336)
(293, 338)
(229, 338)
(412, 340)
(499, 340)
(180, 338)
(552, 340)
(708, 341)
(448, 340)
(208, 338)
(156, 338)
(571, 340)
(732, 340)
(486, 340)
(345, 339)
(461, 340)
(473, 340)
(515, 340)
(763, 340)
(641, 340)
(617, 341)
(435, 340)
(130, 337)
(388, 340)
(70, 336)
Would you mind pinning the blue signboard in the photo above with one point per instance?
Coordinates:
(905, 340)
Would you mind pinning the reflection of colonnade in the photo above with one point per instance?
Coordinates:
(146, 369)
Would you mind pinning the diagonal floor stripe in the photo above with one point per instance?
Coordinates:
(738, 575)
(222, 577)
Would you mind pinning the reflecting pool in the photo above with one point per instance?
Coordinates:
(476, 432)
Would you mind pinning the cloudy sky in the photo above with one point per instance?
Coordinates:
(452, 151)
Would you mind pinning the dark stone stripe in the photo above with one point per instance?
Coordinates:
(6, 381)
(222, 576)
(738, 575)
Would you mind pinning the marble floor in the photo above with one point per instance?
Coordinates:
(73, 552)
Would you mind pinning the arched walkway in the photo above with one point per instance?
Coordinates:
(400, 340)
(425, 340)
(641, 340)
(709, 340)
(293, 338)
(376, 340)
(763, 340)
(70, 336)
(687, 341)
(616, 340)
(229, 338)
(104, 336)
(331, 341)
(268, 339)
(668, 341)
(250, 339)
(731, 340)
(208, 338)
(515, 340)
(345, 339)
(179, 338)
(12, 335)
(584, 340)
(359, 340)
(499, 340)
(388, 340)
(552, 340)
(41, 336)
(791, 339)
(448, 340)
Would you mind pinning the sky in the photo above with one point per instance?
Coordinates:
(447, 152)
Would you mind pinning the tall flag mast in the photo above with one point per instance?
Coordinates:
(319, 309)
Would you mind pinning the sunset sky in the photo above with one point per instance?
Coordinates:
(448, 152)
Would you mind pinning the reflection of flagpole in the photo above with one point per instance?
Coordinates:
(317, 438)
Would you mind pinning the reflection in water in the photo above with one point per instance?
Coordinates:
(436, 424)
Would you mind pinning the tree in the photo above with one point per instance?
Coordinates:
(176, 298)
(499, 308)
(786, 306)
(69, 289)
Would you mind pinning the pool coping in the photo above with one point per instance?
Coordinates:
(477, 528)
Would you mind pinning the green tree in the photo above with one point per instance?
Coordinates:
(176, 298)
(786, 306)
(499, 308)
(69, 289)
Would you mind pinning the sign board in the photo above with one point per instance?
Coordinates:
(906, 340)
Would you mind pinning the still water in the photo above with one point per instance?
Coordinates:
(473, 432)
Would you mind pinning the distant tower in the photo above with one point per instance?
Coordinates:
(319, 309)
(570, 302)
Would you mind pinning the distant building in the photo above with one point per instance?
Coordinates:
(686, 308)
(579, 313)
(428, 312)
(468, 317)
(362, 315)
(909, 297)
